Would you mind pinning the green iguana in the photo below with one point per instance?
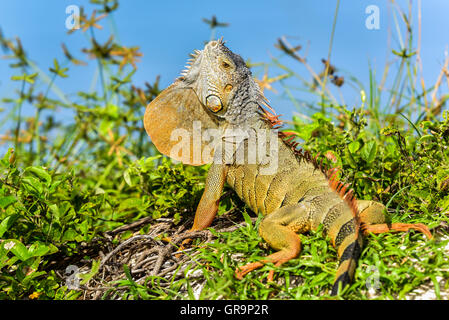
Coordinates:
(216, 113)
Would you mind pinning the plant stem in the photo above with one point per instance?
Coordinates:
(100, 68)
(329, 56)
(19, 119)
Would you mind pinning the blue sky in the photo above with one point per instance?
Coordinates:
(167, 31)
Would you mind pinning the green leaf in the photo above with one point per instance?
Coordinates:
(25, 77)
(354, 146)
(17, 248)
(93, 271)
(54, 185)
(247, 218)
(7, 223)
(55, 212)
(83, 227)
(7, 201)
(436, 286)
(105, 126)
(38, 249)
(127, 177)
(427, 137)
(131, 203)
(69, 235)
(369, 151)
(41, 173)
(7, 156)
(57, 69)
(32, 185)
(128, 273)
(349, 158)
(112, 110)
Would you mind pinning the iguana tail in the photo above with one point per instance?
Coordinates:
(344, 227)
(349, 245)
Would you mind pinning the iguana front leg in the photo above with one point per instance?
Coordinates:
(208, 205)
(373, 220)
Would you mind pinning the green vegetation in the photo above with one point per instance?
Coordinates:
(73, 193)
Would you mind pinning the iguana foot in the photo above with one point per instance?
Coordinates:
(277, 259)
(166, 239)
(240, 272)
(184, 243)
(384, 227)
(372, 217)
(279, 229)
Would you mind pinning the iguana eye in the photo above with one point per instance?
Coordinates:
(214, 104)
(225, 65)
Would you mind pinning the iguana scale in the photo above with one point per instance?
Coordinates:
(217, 93)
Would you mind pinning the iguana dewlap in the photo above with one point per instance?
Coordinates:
(214, 113)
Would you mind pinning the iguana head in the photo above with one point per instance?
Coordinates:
(215, 91)
(223, 83)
